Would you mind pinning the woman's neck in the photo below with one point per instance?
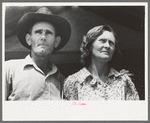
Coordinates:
(99, 69)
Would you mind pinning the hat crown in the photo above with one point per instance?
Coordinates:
(44, 10)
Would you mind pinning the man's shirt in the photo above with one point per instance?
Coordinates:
(24, 80)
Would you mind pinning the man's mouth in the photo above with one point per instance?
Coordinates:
(43, 45)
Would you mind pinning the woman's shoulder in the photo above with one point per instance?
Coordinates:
(124, 74)
(70, 88)
(74, 77)
(130, 89)
(78, 76)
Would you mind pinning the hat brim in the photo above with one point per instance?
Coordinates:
(29, 19)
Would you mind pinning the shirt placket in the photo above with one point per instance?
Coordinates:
(47, 90)
(48, 86)
(105, 91)
(105, 86)
(47, 82)
(54, 87)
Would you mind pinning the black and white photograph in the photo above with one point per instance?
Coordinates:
(75, 61)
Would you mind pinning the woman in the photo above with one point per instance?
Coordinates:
(98, 80)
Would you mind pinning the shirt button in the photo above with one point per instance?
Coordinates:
(105, 85)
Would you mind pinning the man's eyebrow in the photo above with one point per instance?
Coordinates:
(37, 30)
(49, 30)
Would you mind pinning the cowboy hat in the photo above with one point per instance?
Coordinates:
(43, 14)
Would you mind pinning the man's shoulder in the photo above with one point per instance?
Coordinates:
(13, 62)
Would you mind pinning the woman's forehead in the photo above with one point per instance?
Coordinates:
(107, 35)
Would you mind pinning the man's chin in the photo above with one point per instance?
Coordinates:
(43, 53)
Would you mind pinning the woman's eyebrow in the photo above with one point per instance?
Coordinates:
(104, 39)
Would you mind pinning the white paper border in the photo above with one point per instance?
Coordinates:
(77, 110)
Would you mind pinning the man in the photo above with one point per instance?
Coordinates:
(35, 77)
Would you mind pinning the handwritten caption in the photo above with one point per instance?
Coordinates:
(78, 103)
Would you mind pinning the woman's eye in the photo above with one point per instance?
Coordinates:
(111, 43)
(102, 41)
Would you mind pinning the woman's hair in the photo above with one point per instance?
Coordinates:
(90, 37)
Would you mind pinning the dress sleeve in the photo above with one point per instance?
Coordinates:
(70, 88)
(130, 90)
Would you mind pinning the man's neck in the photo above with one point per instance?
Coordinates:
(41, 62)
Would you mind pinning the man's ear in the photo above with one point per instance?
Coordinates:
(28, 39)
(57, 41)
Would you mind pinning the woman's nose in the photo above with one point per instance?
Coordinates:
(107, 44)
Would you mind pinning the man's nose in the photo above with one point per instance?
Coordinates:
(43, 37)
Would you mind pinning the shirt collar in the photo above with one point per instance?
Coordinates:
(29, 62)
(54, 69)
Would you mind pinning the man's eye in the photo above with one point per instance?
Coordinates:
(48, 32)
(38, 31)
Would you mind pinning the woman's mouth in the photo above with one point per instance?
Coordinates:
(105, 52)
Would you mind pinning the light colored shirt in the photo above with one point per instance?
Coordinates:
(83, 86)
(24, 80)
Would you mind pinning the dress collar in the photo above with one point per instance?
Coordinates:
(86, 76)
(112, 72)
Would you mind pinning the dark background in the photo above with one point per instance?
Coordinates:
(127, 21)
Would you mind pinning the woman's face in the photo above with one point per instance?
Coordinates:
(104, 46)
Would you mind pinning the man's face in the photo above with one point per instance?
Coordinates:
(42, 39)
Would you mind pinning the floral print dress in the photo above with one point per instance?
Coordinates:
(83, 86)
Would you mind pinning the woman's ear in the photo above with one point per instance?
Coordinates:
(90, 48)
(28, 39)
(57, 41)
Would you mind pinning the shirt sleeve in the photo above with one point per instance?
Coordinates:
(130, 90)
(61, 79)
(7, 79)
(70, 88)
